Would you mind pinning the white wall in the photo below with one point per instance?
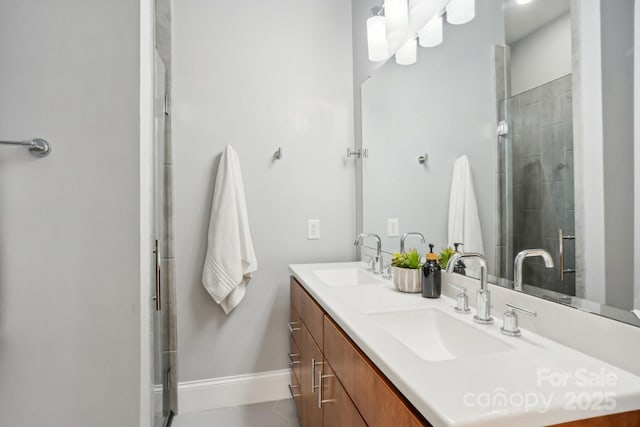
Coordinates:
(541, 56)
(258, 76)
(617, 100)
(588, 150)
(69, 223)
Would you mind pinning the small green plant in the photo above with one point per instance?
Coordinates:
(410, 259)
(444, 256)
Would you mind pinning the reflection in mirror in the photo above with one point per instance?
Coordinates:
(531, 94)
(443, 107)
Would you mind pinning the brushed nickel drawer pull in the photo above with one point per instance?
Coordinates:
(320, 400)
(292, 329)
(291, 361)
(293, 395)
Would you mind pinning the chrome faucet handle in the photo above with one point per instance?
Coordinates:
(376, 261)
(371, 264)
(462, 299)
(483, 307)
(386, 272)
(510, 321)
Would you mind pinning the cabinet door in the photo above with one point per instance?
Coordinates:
(380, 404)
(337, 407)
(311, 366)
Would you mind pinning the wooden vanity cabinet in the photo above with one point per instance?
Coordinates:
(322, 400)
(334, 384)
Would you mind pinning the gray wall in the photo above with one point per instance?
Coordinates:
(69, 223)
(617, 101)
(542, 56)
(259, 76)
(443, 105)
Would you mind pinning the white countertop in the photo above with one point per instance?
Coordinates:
(469, 391)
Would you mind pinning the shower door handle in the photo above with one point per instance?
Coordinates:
(561, 239)
(157, 298)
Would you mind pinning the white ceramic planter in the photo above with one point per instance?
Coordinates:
(407, 279)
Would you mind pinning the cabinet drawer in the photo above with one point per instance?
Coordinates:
(295, 358)
(312, 316)
(295, 326)
(296, 291)
(294, 389)
(377, 400)
(338, 408)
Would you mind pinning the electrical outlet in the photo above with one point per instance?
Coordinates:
(393, 227)
(313, 229)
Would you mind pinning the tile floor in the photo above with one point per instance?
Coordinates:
(281, 413)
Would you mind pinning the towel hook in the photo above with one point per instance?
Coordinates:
(278, 154)
(423, 159)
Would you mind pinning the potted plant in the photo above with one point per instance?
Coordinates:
(445, 254)
(407, 271)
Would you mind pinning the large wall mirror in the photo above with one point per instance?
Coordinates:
(539, 97)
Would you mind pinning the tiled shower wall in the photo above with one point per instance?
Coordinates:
(541, 142)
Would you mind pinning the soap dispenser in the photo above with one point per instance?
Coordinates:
(431, 281)
(459, 268)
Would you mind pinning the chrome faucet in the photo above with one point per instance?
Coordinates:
(405, 235)
(517, 264)
(378, 259)
(483, 296)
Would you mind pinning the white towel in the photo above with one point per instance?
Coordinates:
(230, 256)
(464, 220)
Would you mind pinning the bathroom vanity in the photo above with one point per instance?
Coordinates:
(364, 354)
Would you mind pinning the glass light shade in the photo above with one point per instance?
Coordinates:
(420, 11)
(461, 11)
(396, 14)
(431, 34)
(377, 39)
(408, 53)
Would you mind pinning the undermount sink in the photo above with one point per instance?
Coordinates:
(436, 336)
(347, 277)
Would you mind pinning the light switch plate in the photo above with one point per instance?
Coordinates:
(393, 227)
(313, 229)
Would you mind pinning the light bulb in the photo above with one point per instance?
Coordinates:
(408, 53)
(460, 11)
(396, 14)
(377, 39)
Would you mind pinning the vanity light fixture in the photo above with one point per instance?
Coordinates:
(431, 34)
(391, 25)
(460, 11)
(396, 13)
(408, 53)
(377, 43)
(420, 11)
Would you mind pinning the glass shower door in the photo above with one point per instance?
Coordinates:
(161, 368)
(537, 184)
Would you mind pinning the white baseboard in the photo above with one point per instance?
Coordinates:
(205, 395)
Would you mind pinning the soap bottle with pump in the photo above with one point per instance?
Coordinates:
(459, 268)
(431, 281)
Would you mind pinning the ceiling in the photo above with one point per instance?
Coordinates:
(523, 19)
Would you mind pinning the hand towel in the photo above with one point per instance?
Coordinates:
(464, 220)
(230, 256)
